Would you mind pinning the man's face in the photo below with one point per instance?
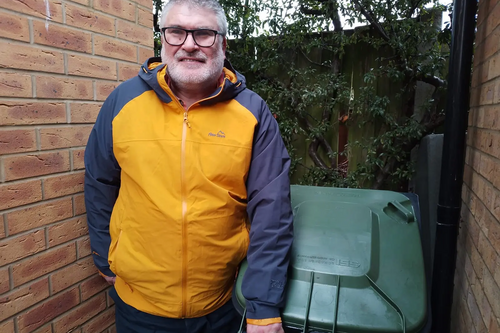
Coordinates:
(190, 64)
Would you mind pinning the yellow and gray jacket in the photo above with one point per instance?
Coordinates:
(175, 198)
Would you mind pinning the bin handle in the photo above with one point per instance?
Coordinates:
(408, 216)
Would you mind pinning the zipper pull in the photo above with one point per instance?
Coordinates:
(186, 119)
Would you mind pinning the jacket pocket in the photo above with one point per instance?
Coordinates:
(113, 254)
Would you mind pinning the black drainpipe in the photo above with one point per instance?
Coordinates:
(452, 165)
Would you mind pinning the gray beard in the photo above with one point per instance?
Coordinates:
(206, 76)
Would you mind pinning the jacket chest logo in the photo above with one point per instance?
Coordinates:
(219, 134)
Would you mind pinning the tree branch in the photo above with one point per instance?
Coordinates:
(431, 79)
(313, 153)
(307, 11)
(313, 62)
(371, 19)
(413, 8)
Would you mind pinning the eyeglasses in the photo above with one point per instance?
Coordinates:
(202, 37)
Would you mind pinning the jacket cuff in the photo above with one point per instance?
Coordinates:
(264, 322)
(256, 311)
(106, 272)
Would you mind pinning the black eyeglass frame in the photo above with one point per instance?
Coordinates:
(190, 31)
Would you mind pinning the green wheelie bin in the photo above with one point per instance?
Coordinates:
(356, 264)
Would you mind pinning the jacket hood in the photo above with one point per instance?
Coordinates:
(153, 73)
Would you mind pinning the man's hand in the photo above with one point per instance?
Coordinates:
(110, 280)
(272, 328)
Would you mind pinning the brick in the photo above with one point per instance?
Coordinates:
(80, 65)
(30, 58)
(93, 286)
(480, 35)
(17, 141)
(22, 298)
(475, 96)
(111, 302)
(496, 271)
(4, 281)
(465, 314)
(145, 17)
(482, 72)
(80, 314)
(78, 159)
(121, 8)
(15, 85)
(145, 53)
(72, 274)
(43, 263)
(81, 2)
(15, 248)
(24, 166)
(47, 329)
(473, 117)
(63, 88)
(489, 168)
(474, 310)
(62, 37)
(477, 262)
(7, 327)
(473, 230)
(492, 292)
(112, 329)
(492, 20)
(87, 19)
(63, 185)
(67, 230)
(79, 204)
(490, 46)
(145, 3)
(494, 232)
(133, 33)
(487, 252)
(64, 137)
(2, 227)
(39, 215)
(494, 67)
(32, 113)
(112, 48)
(126, 71)
(487, 93)
(104, 88)
(14, 27)
(496, 99)
(484, 308)
(20, 193)
(82, 113)
(37, 8)
(83, 247)
(494, 326)
(98, 323)
(47, 311)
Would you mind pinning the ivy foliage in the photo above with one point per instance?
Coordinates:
(294, 53)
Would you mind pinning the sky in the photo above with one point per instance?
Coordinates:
(445, 15)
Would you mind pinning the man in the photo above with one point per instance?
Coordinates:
(183, 160)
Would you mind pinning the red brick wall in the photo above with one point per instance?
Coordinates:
(54, 75)
(477, 280)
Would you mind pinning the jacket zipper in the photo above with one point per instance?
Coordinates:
(185, 126)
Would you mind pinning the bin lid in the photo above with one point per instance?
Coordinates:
(356, 263)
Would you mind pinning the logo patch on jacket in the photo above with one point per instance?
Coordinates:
(219, 134)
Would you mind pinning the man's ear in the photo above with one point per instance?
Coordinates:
(224, 44)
